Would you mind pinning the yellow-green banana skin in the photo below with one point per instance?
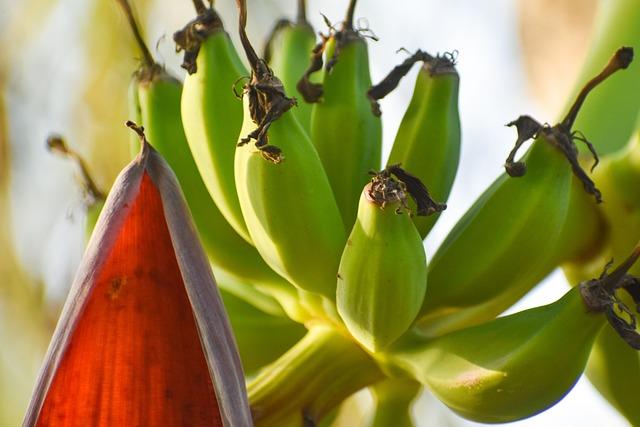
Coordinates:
(614, 367)
(291, 50)
(515, 234)
(345, 132)
(510, 368)
(160, 113)
(289, 208)
(428, 141)
(382, 276)
(212, 117)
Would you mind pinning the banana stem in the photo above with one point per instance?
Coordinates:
(621, 60)
(128, 12)
(200, 7)
(348, 21)
(302, 12)
(614, 280)
(393, 400)
(314, 376)
(252, 56)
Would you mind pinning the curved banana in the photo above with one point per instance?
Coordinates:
(428, 140)
(346, 134)
(382, 277)
(526, 226)
(158, 97)
(211, 114)
(516, 366)
(284, 193)
(287, 51)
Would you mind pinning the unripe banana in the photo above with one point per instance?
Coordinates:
(610, 116)
(284, 193)
(158, 97)
(614, 368)
(346, 134)
(428, 140)
(538, 227)
(287, 51)
(211, 114)
(516, 366)
(383, 271)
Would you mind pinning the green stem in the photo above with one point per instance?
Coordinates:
(393, 400)
(313, 377)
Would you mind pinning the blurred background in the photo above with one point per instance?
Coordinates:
(65, 69)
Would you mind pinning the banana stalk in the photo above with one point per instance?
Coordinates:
(393, 399)
(312, 378)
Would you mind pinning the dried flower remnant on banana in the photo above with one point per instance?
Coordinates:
(599, 295)
(267, 98)
(561, 135)
(190, 38)
(438, 64)
(384, 189)
(310, 91)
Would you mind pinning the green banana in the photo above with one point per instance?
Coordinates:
(284, 193)
(347, 136)
(610, 116)
(614, 368)
(158, 97)
(516, 366)
(393, 399)
(94, 198)
(287, 50)
(428, 140)
(526, 226)
(382, 276)
(211, 115)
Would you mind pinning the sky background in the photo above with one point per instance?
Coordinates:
(47, 218)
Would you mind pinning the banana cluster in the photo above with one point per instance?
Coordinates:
(317, 243)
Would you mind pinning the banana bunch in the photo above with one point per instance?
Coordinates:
(515, 366)
(321, 261)
(541, 206)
